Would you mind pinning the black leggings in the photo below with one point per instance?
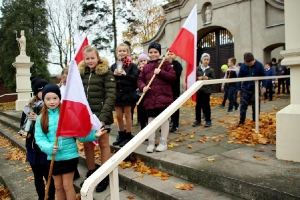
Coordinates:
(40, 172)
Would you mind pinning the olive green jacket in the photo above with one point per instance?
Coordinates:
(100, 89)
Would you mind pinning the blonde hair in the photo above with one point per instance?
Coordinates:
(35, 98)
(64, 70)
(89, 48)
(123, 45)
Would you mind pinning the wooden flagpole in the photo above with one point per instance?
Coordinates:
(151, 80)
(50, 172)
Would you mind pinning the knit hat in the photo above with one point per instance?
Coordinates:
(38, 84)
(155, 45)
(51, 88)
(204, 55)
(224, 67)
(142, 56)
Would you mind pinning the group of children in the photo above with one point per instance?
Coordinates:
(107, 88)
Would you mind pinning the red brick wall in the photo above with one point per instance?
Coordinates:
(7, 98)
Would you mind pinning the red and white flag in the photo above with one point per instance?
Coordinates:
(185, 46)
(76, 118)
(80, 43)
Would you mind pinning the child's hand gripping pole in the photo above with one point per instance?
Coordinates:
(151, 80)
(50, 172)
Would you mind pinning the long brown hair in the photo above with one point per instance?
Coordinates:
(45, 118)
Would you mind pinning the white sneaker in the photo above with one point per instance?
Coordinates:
(162, 145)
(151, 146)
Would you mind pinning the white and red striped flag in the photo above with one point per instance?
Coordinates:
(76, 118)
(185, 46)
(80, 43)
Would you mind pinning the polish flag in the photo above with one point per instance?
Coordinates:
(76, 118)
(81, 44)
(185, 46)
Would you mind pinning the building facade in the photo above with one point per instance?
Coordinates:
(227, 28)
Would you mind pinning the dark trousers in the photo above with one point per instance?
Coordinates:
(225, 96)
(141, 114)
(281, 82)
(40, 172)
(203, 102)
(247, 97)
(288, 85)
(175, 116)
(232, 98)
(269, 91)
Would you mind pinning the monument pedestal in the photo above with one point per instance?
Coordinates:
(23, 85)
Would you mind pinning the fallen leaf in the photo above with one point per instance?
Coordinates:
(274, 149)
(210, 159)
(192, 136)
(130, 197)
(239, 152)
(189, 146)
(259, 158)
(259, 150)
(216, 140)
(184, 186)
(202, 140)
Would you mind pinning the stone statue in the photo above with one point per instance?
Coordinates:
(208, 15)
(22, 44)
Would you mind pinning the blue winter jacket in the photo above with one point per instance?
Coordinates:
(256, 70)
(270, 72)
(67, 147)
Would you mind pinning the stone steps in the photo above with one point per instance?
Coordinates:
(147, 187)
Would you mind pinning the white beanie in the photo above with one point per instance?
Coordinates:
(204, 55)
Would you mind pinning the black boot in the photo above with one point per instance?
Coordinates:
(119, 139)
(102, 185)
(127, 138)
(90, 172)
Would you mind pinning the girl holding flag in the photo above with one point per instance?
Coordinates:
(66, 153)
(100, 90)
(159, 95)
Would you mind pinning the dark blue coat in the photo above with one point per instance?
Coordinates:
(270, 72)
(254, 71)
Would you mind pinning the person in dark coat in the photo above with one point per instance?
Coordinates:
(269, 82)
(250, 68)
(34, 155)
(126, 80)
(175, 88)
(203, 94)
(100, 90)
(159, 94)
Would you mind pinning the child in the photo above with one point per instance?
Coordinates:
(246, 89)
(100, 89)
(62, 87)
(224, 69)
(159, 95)
(63, 80)
(34, 155)
(269, 82)
(66, 152)
(175, 88)
(141, 112)
(203, 94)
(126, 83)
(232, 72)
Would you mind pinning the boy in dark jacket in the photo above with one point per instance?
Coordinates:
(269, 82)
(232, 72)
(250, 68)
(175, 89)
(203, 94)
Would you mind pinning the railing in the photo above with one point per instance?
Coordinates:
(111, 166)
(15, 94)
